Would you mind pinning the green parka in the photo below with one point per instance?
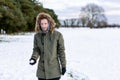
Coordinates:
(49, 48)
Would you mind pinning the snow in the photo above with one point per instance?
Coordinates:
(92, 54)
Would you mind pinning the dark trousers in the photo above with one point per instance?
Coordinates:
(50, 79)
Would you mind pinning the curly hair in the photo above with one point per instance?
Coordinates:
(41, 16)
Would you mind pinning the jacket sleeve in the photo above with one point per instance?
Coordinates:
(61, 51)
(35, 53)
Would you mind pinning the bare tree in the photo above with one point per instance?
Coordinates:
(66, 23)
(92, 15)
(70, 22)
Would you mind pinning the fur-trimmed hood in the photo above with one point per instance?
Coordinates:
(44, 16)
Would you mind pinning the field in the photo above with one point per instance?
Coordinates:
(92, 54)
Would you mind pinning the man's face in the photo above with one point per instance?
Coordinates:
(44, 24)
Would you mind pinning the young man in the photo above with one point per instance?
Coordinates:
(49, 48)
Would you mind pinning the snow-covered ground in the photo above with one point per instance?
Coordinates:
(92, 54)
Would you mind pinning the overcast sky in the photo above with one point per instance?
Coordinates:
(71, 8)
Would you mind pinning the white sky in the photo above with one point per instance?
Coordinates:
(71, 8)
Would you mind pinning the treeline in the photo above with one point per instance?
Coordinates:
(75, 22)
(20, 15)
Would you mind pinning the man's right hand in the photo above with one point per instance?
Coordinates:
(32, 61)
